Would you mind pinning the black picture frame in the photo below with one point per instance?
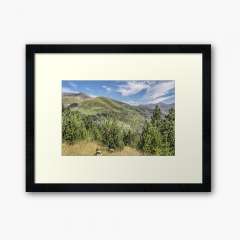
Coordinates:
(204, 49)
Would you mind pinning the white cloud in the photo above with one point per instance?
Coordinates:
(73, 85)
(132, 88)
(68, 90)
(107, 88)
(160, 89)
(158, 92)
(155, 91)
(91, 95)
(168, 100)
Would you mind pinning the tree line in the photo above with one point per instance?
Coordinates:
(157, 136)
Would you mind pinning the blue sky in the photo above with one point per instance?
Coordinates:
(134, 92)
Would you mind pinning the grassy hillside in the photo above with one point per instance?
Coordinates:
(129, 115)
(116, 128)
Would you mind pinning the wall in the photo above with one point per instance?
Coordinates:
(120, 216)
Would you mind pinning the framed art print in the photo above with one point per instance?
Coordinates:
(118, 118)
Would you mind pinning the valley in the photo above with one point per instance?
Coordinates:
(91, 123)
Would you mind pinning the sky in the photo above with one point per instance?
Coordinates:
(134, 92)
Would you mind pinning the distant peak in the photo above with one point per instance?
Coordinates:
(78, 94)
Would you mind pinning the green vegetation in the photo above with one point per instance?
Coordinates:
(101, 106)
(117, 127)
(73, 128)
(158, 135)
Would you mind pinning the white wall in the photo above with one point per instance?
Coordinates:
(120, 216)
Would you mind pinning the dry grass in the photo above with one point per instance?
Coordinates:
(85, 148)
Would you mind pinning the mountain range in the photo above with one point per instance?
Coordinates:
(133, 115)
(163, 106)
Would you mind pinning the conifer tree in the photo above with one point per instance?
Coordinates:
(156, 117)
(168, 132)
(150, 141)
(112, 135)
(73, 127)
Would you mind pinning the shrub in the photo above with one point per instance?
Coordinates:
(130, 138)
(150, 141)
(73, 127)
(168, 131)
(112, 135)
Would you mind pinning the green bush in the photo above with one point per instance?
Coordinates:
(151, 142)
(168, 131)
(112, 135)
(157, 136)
(156, 117)
(73, 128)
(130, 138)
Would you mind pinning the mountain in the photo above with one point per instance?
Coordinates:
(80, 94)
(164, 107)
(133, 116)
(129, 115)
(70, 98)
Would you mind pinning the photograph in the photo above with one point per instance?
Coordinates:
(118, 118)
(98, 124)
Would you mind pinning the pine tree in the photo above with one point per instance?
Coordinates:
(168, 132)
(156, 117)
(112, 135)
(130, 138)
(150, 141)
(73, 127)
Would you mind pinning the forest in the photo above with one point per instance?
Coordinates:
(113, 133)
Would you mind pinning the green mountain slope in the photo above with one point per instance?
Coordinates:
(70, 98)
(130, 116)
